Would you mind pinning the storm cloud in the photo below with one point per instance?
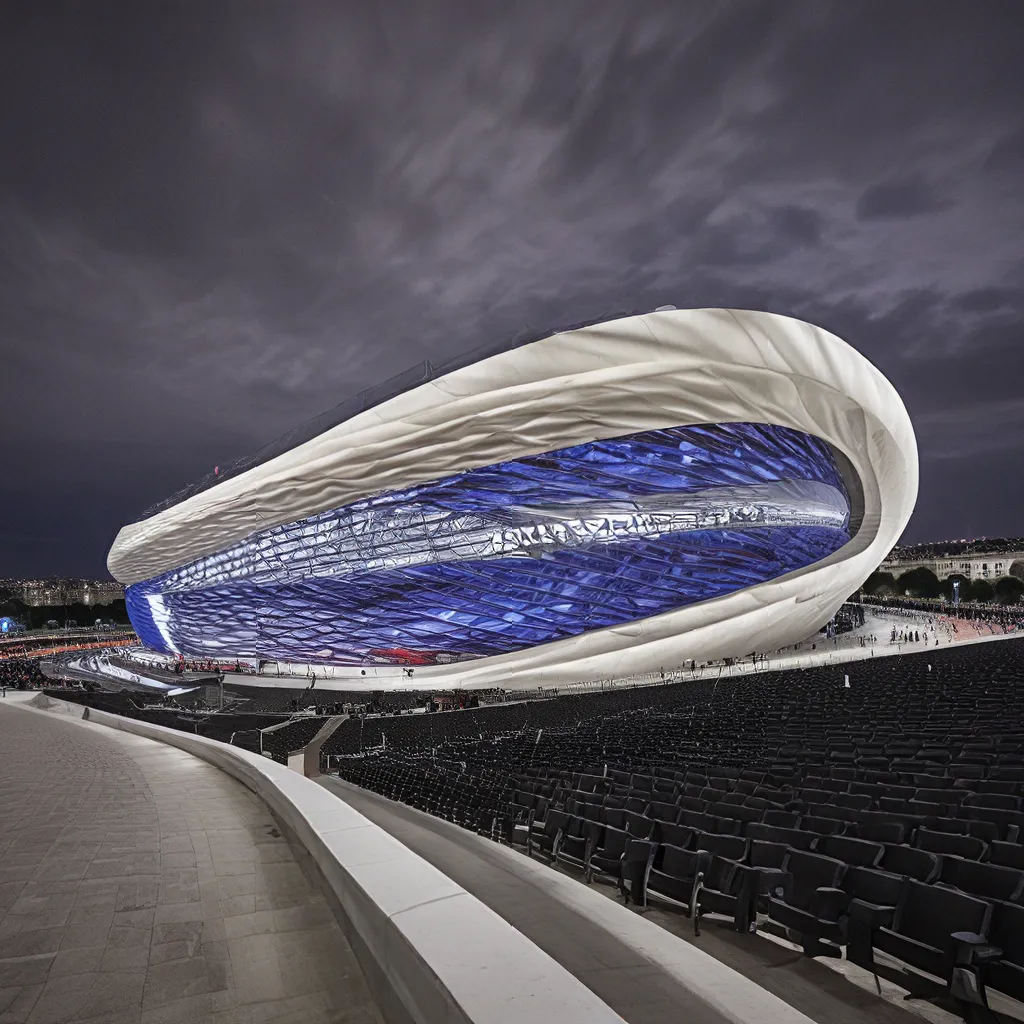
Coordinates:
(217, 220)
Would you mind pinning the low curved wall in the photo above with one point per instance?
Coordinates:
(438, 955)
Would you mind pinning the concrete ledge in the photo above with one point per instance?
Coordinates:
(442, 955)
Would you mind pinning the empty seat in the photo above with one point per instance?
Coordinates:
(1009, 855)
(663, 811)
(853, 801)
(606, 856)
(947, 843)
(543, 837)
(794, 837)
(731, 888)
(784, 819)
(806, 896)
(906, 860)
(851, 851)
(989, 881)
(823, 826)
(737, 812)
(678, 871)
(884, 832)
(1006, 932)
(674, 835)
(866, 899)
(924, 923)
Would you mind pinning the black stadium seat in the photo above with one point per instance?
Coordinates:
(853, 852)
(921, 758)
(924, 923)
(945, 843)
(1006, 932)
(905, 860)
(988, 881)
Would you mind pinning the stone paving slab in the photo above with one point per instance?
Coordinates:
(140, 885)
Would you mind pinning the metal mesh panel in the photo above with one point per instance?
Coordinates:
(515, 554)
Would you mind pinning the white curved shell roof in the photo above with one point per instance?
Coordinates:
(654, 371)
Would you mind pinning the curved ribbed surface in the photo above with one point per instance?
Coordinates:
(512, 555)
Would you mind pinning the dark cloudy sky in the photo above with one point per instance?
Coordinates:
(218, 219)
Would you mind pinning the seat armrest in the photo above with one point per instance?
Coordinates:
(972, 948)
(874, 915)
(830, 904)
(759, 881)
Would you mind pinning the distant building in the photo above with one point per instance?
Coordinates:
(975, 560)
(54, 592)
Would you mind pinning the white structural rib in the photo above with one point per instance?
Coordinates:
(649, 372)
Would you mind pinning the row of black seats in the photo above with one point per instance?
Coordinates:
(963, 922)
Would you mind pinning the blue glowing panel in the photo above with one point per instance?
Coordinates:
(515, 554)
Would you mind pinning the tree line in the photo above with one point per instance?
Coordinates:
(923, 583)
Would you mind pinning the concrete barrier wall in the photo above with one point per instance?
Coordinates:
(437, 955)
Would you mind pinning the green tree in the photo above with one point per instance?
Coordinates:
(880, 584)
(981, 590)
(1009, 590)
(919, 582)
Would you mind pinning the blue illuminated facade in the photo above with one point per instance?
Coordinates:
(512, 555)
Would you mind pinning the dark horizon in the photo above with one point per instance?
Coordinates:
(218, 222)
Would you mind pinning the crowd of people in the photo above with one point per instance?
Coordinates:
(1009, 618)
(20, 674)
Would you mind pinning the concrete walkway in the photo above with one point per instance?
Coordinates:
(643, 973)
(140, 885)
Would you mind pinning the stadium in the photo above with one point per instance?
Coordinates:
(576, 625)
(611, 500)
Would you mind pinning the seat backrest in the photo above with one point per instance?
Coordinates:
(856, 801)
(555, 822)
(1007, 931)
(871, 886)
(675, 835)
(810, 872)
(1009, 855)
(794, 837)
(638, 826)
(929, 914)
(855, 852)
(949, 844)
(730, 847)
(940, 796)
(690, 803)
(815, 796)
(766, 855)
(823, 826)
(615, 816)
(737, 812)
(989, 881)
(905, 860)
(663, 811)
(880, 831)
(726, 826)
(678, 863)
(614, 841)
(783, 819)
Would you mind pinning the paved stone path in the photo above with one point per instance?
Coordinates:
(140, 885)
